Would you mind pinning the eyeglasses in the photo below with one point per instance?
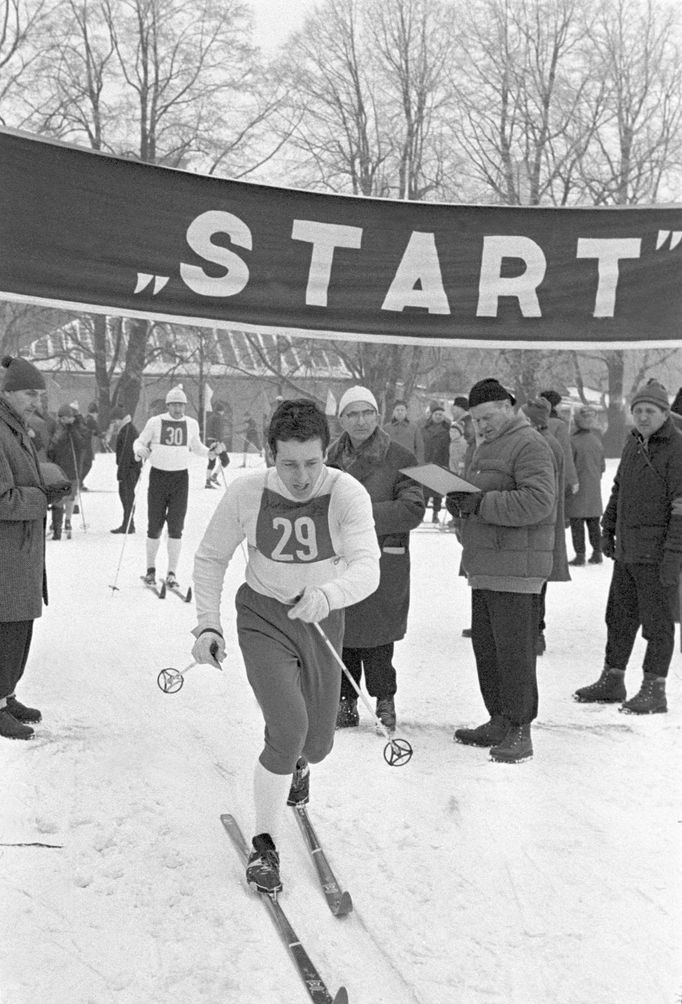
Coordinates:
(356, 416)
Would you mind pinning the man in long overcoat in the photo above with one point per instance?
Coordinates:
(585, 506)
(373, 626)
(23, 507)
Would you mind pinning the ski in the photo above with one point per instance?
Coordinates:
(307, 971)
(185, 597)
(338, 901)
(159, 590)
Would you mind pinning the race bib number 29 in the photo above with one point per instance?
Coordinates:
(294, 532)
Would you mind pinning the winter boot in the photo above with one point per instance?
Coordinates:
(490, 734)
(262, 870)
(595, 558)
(515, 747)
(57, 519)
(578, 560)
(540, 644)
(649, 701)
(30, 716)
(171, 581)
(386, 712)
(150, 577)
(347, 716)
(299, 793)
(214, 480)
(609, 688)
(11, 728)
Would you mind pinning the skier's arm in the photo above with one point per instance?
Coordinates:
(223, 535)
(142, 447)
(195, 444)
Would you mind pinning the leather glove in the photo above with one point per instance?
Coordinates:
(312, 606)
(669, 572)
(608, 544)
(209, 648)
(464, 503)
(56, 492)
(142, 453)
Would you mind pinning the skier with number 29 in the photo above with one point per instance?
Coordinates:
(312, 551)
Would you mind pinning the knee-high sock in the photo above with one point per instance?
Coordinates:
(152, 551)
(270, 793)
(174, 548)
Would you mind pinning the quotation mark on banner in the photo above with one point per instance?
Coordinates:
(144, 279)
(663, 236)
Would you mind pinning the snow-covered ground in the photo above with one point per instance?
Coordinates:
(552, 882)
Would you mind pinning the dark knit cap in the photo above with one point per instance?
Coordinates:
(400, 401)
(65, 411)
(652, 392)
(461, 402)
(436, 406)
(552, 396)
(21, 375)
(489, 389)
(537, 409)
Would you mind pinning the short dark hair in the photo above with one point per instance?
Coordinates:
(299, 419)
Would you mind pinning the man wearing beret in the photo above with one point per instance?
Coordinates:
(507, 534)
(23, 506)
(642, 533)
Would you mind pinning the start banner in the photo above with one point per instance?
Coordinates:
(86, 231)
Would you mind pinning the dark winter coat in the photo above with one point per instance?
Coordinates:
(559, 430)
(23, 506)
(126, 465)
(560, 571)
(398, 507)
(509, 545)
(647, 483)
(66, 448)
(404, 433)
(215, 427)
(588, 456)
(433, 443)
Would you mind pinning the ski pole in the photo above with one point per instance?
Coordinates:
(397, 752)
(172, 680)
(114, 587)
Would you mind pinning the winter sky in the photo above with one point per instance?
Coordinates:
(275, 19)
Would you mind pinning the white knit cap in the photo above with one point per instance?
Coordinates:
(176, 395)
(357, 394)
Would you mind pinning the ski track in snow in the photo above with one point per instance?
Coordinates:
(473, 883)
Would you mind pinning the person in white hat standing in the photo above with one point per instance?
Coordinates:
(169, 439)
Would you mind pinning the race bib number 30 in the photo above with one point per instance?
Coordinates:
(173, 433)
(294, 532)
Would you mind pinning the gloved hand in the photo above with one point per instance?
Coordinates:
(312, 606)
(608, 544)
(463, 503)
(142, 453)
(209, 648)
(56, 492)
(669, 572)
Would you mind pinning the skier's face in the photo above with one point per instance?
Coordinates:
(648, 418)
(176, 410)
(299, 465)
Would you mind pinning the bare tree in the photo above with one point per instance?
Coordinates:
(23, 36)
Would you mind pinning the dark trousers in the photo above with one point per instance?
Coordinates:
(167, 497)
(578, 533)
(126, 493)
(504, 629)
(15, 642)
(542, 606)
(638, 599)
(380, 677)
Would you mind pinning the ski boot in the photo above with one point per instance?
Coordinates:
(171, 581)
(299, 793)
(347, 716)
(262, 870)
(150, 578)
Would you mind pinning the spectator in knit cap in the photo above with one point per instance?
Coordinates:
(642, 533)
(559, 430)
(507, 535)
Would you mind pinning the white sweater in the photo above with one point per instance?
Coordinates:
(327, 541)
(171, 441)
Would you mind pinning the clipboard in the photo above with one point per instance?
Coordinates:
(438, 479)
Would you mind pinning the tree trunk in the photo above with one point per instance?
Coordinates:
(615, 434)
(99, 343)
(130, 384)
